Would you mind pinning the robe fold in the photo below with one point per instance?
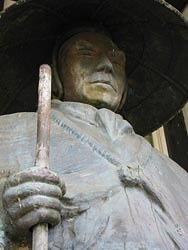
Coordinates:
(120, 192)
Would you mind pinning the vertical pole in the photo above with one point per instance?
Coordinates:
(40, 232)
(43, 121)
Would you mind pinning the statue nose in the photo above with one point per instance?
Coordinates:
(104, 65)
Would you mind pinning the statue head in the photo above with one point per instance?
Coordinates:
(91, 69)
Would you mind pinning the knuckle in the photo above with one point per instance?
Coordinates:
(43, 175)
(41, 215)
(14, 179)
(32, 204)
(34, 174)
(49, 216)
(31, 193)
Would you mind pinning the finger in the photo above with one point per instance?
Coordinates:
(33, 174)
(32, 203)
(17, 193)
(41, 215)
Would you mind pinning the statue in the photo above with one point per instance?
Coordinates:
(107, 188)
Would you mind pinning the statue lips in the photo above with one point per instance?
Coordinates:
(102, 82)
(103, 79)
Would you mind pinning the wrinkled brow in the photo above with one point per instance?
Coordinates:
(83, 44)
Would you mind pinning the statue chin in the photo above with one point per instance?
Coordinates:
(100, 105)
(107, 100)
(97, 101)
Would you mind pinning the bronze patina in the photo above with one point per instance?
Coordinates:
(109, 187)
(120, 192)
(92, 70)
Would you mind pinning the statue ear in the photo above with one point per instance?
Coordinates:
(57, 85)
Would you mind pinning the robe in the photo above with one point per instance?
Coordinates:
(120, 192)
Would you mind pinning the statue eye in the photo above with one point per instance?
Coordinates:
(87, 51)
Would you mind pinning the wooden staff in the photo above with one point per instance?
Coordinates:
(40, 232)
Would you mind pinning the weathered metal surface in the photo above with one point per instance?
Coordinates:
(92, 69)
(113, 177)
(116, 195)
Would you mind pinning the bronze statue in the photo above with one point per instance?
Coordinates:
(107, 188)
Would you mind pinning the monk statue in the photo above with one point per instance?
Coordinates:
(107, 188)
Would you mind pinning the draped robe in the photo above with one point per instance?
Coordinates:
(120, 192)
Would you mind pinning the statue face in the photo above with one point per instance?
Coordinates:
(92, 70)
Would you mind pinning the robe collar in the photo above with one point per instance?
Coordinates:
(111, 123)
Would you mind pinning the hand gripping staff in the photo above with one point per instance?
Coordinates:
(40, 231)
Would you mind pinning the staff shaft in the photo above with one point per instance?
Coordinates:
(40, 231)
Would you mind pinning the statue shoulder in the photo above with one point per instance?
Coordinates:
(169, 165)
(19, 117)
(17, 123)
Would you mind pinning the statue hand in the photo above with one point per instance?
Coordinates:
(33, 196)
